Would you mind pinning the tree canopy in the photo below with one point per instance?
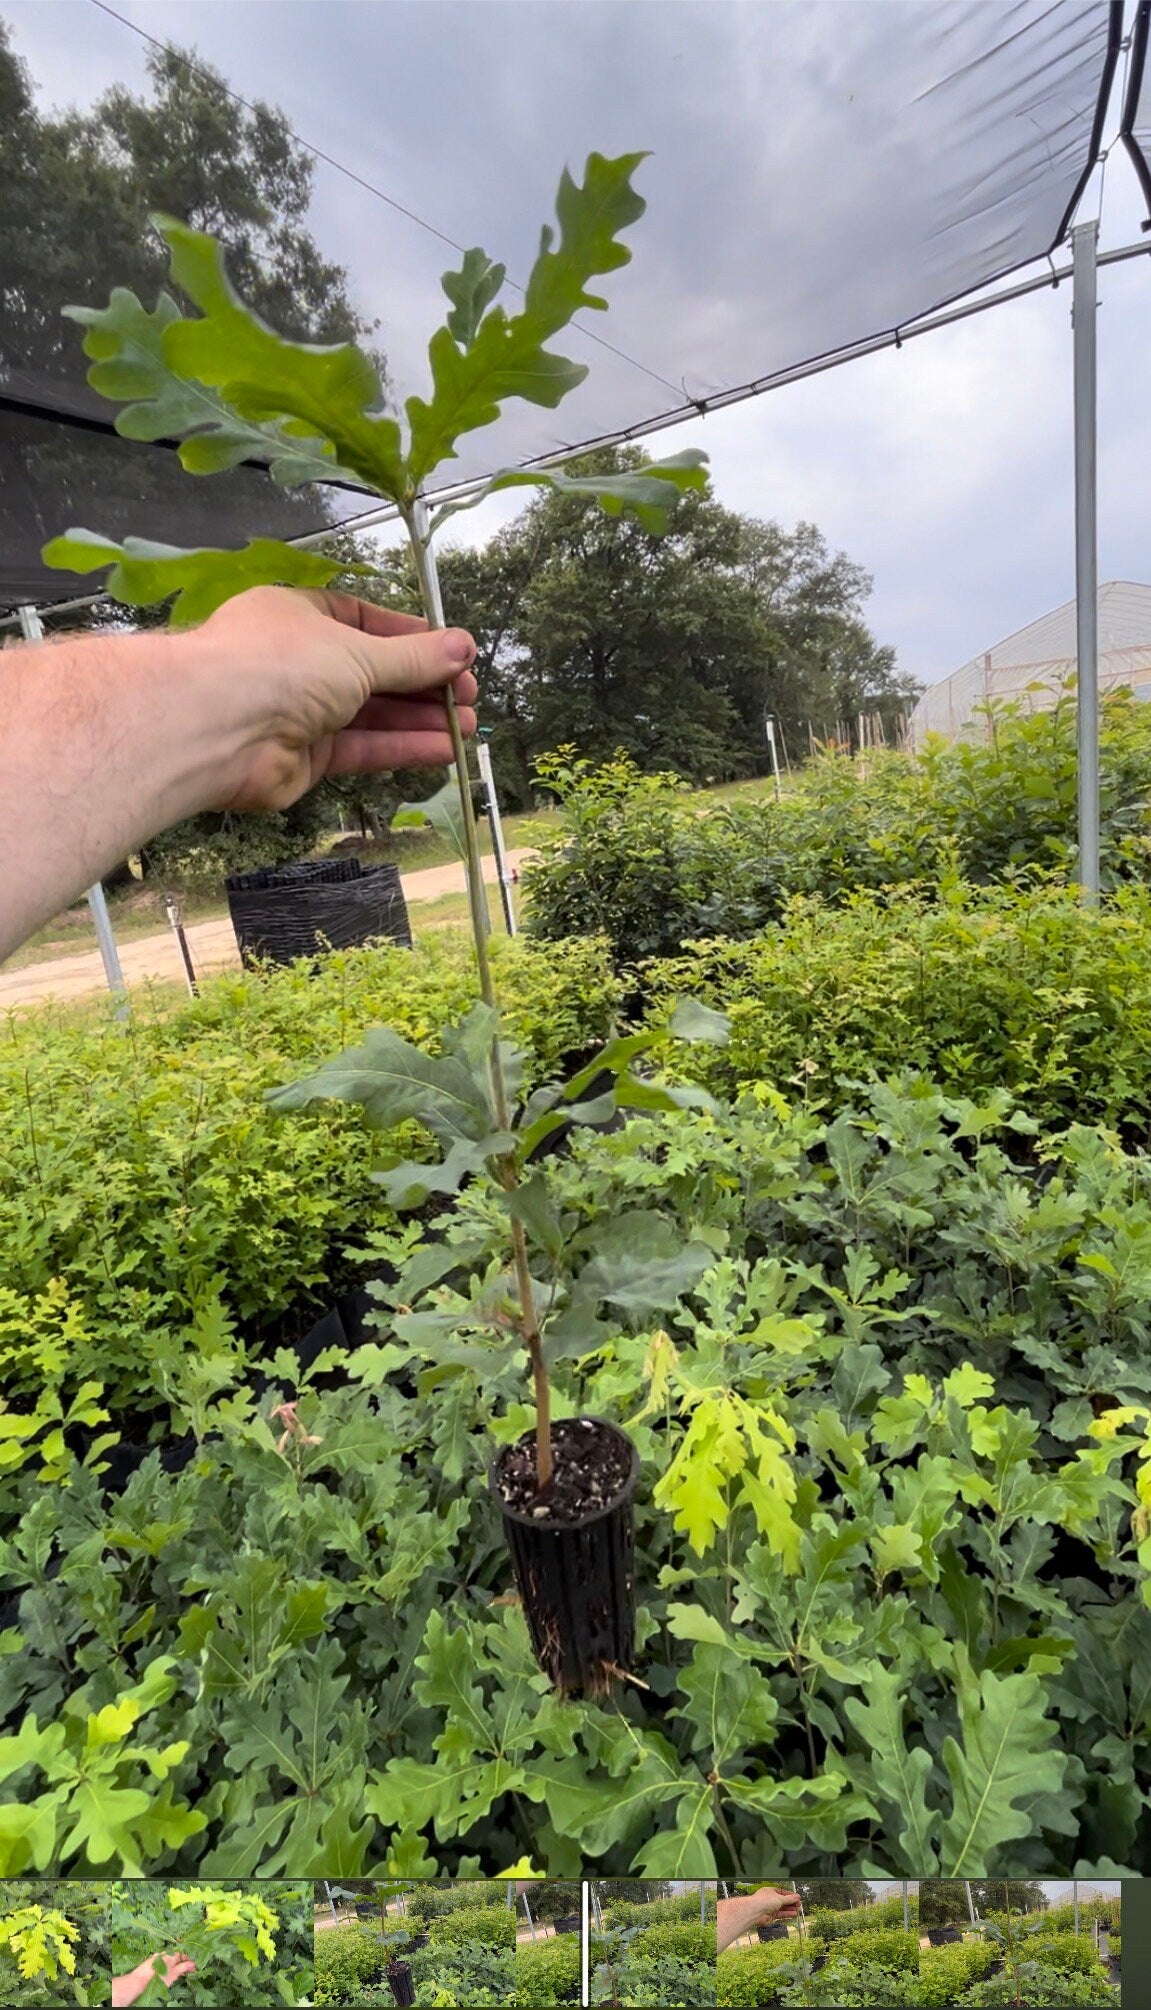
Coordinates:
(596, 634)
(189, 148)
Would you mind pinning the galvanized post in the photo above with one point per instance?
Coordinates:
(970, 1904)
(332, 1903)
(484, 757)
(528, 1910)
(33, 631)
(1084, 244)
(1075, 1900)
(769, 728)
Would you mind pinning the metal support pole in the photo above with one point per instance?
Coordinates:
(484, 757)
(584, 1937)
(970, 1903)
(528, 1910)
(172, 910)
(1075, 1900)
(33, 631)
(332, 1903)
(769, 728)
(1084, 244)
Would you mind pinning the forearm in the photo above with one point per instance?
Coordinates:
(104, 740)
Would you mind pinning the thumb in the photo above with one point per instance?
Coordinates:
(399, 664)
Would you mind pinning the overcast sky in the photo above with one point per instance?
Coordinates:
(818, 172)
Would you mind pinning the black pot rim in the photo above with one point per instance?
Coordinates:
(550, 1524)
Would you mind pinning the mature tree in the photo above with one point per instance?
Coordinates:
(944, 1901)
(631, 1890)
(592, 632)
(833, 1894)
(79, 187)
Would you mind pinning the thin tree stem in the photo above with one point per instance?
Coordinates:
(508, 1166)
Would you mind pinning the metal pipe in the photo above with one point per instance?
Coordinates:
(172, 910)
(769, 725)
(1075, 1900)
(332, 1903)
(33, 631)
(970, 1902)
(484, 758)
(1084, 242)
(893, 338)
(528, 1910)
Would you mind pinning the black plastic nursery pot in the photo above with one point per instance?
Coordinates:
(777, 1931)
(574, 1565)
(400, 1983)
(942, 1936)
(570, 1924)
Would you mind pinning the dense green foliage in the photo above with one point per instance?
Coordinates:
(889, 1593)
(251, 1944)
(655, 1960)
(53, 1943)
(349, 1966)
(158, 1221)
(984, 990)
(638, 862)
(548, 1972)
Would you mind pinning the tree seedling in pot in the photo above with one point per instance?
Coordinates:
(233, 391)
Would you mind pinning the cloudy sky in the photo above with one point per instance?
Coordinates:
(818, 172)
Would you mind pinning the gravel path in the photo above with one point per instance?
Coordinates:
(212, 945)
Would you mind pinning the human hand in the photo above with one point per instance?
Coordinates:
(305, 685)
(735, 1916)
(126, 1988)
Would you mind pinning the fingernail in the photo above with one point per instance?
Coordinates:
(458, 648)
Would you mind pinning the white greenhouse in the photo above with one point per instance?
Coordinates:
(1037, 663)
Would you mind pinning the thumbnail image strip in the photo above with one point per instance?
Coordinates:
(652, 1943)
(415, 1942)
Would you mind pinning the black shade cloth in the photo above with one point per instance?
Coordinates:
(1137, 103)
(820, 174)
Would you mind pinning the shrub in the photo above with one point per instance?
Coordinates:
(639, 863)
(1030, 992)
(548, 1972)
(881, 1948)
(150, 1204)
(1068, 1953)
(345, 1957)
(471, 1974)
(749, 1976)
(1046, 1988)
(474, 1926)
(680, 1938)
(1115, 1946)
(945, 1972)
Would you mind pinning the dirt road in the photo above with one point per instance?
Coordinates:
(212, 945)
